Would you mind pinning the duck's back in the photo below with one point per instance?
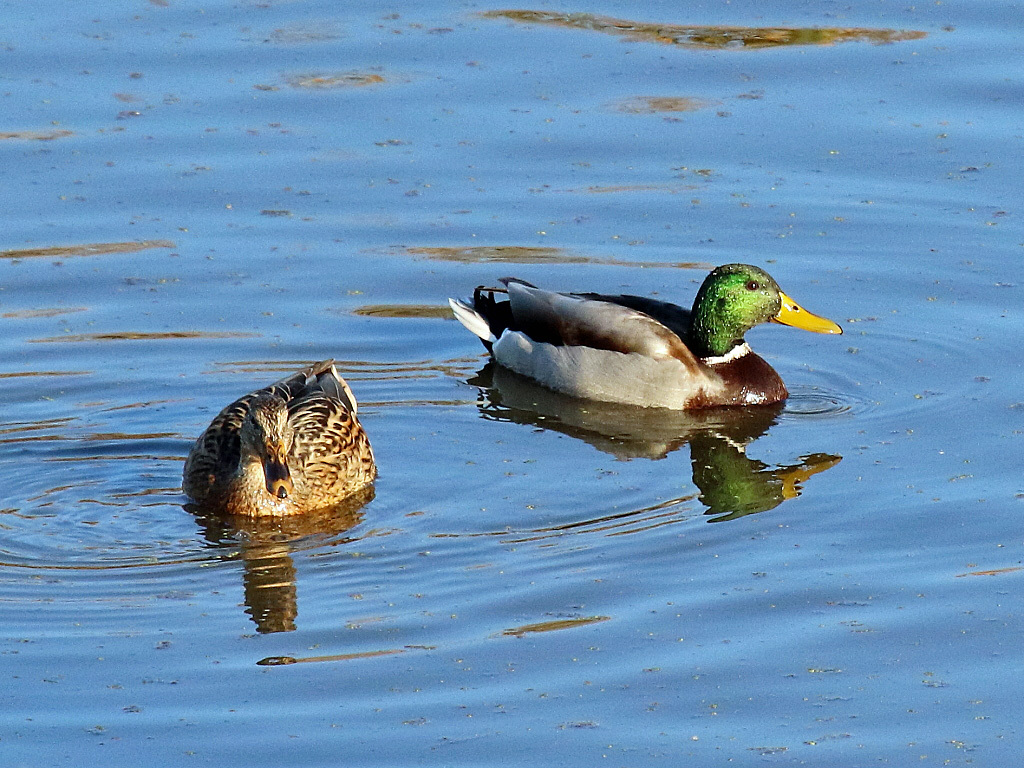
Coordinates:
(672, 316)
(331, 453)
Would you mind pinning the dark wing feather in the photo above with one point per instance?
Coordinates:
(574, 320)
(217, 449)
(331, 384)
(672, 316)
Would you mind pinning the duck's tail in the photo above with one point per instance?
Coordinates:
(333, 384)
(487, 317)
(473, 321)
(318, 377)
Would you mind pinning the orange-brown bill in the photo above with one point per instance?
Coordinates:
(793, 314)
(277, 474)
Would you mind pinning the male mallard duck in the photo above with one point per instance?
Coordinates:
(292, 447)
(640, 351)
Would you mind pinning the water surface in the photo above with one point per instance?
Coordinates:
(201, 198)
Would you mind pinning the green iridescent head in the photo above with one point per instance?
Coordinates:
(736, 297)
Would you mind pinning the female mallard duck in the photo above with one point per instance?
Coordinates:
(640, 351)
(293, 447)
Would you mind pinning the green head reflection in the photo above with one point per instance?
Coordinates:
(730, 484)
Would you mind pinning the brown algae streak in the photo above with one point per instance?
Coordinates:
(517, 254)
(143, 336)
(85, 249)
(281, 661)
(501, 254)
(554, 626)
(711, 36)
(652, 105)
(429, 311)
(335, 80)
(40, 374)
(35, 135)
(992, 572)
(31, 314)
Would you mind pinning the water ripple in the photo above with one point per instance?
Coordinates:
(823, 402)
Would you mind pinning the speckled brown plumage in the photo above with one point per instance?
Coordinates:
(308, 423)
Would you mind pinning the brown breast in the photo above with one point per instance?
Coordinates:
(750, 380)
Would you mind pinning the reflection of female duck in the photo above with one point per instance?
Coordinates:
(292, 447)
(265, 545)
(639, 351)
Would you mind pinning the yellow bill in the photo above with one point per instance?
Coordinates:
(793, 314)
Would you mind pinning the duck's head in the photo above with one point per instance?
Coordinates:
(736, 297)
(266, 438)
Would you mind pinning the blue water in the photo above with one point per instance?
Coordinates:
(199, 198)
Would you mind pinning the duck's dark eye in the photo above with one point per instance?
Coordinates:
(753, 285)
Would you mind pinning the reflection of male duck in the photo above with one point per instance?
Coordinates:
(265, 545)
(731, 484)
(639, 351)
